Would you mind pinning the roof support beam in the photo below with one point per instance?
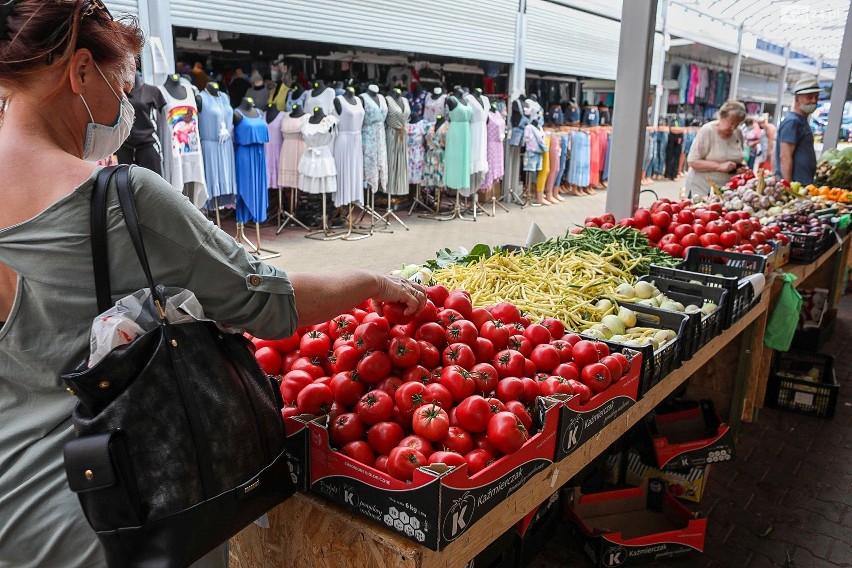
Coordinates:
(782, 85)
(840, 87)
(738, 62)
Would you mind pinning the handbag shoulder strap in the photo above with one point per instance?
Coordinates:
(99, 233)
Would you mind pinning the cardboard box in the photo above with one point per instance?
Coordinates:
(296, 449)
(688, 485)
(580, 422)
(440, 503)
(534, 530)
(633, 526)
(691, 436)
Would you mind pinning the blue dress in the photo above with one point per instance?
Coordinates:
(215, 123)
(252, 197)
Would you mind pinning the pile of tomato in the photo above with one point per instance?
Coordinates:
(455, 385)
(676, 226)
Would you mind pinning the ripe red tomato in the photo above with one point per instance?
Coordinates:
(708, 239)
(625, 366)
(385, 436)
(446, 316)
(509, 363)
(510, 388)
(292, 383)
(344, 339)
(439, 395)
(289, 411)
(522, 411)
(661, 219)
(545, 357)
(478, 459)
(373, 367)
(537, 334)
(311, 366)
(458, 381)
(389, 385)
(674, 250)
(690, 240)
(459, 354)
(418, 443)
(448, 458)
(345, 428)
(496, 332)
(345, 358)
(429, 354)
(374, 407)
(381, 321)
(459, 301)
(506, 312)
(315, 398)
(457, 440)
(686, 216)
(461, 331)
(483, 350)
(394, 312)
(473, 414)
(614, 366)
(681, 231)
(568, 371)
(429, 313)
(653, 232)
(485, 376)
(404, 352)
(431, 422)
(520, 344)
(347, 388)
(269, 360)
(555, 327)
(596, 376)
(497, 404)
(507, 432)
(437, 294)
(314, 344)
(555, 385)
(479, 316)
(360, 451)
(344, 323)
(531, 391)
(403, 461)
(602, 348)
(729, 239)
(744, 227)
(431, 333)
(406, 330)
(585, 353)
(641, 218)
(370, 335)
(417, 373)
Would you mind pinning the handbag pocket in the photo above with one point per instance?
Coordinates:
(99, 470)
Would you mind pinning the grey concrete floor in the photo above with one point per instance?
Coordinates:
(386, 251)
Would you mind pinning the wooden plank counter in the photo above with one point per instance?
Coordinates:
(308, 532)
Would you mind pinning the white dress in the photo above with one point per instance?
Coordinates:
(183, 164)
(434, 107)
(349, 153)
(478, 141)
(325, 100)
(317, 170)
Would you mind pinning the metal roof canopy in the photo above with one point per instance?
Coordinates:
(812, 27)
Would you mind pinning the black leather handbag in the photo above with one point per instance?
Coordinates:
(179, 433)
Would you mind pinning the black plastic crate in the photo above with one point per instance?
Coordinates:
(701, 328)
(807, 248)
(656, 365)
(739, 292)
(804, 383)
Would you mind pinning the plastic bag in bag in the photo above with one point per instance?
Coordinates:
(785, 317)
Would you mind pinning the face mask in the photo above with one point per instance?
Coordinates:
(808, 109)
(102, 141)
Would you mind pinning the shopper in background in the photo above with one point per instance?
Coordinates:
(769, 133)
(795, 155)
(751, 134)
(717, 152)
(64, 106)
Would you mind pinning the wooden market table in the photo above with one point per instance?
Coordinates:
(309, 532)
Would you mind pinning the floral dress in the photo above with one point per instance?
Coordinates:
(416, 150)
(374, 144)
(433, 168)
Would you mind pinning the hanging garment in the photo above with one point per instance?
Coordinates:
(324, 100)
(579, 165)
(660, 141)
(250, 135)
(674, 146)
(374, 144)
(457, 153)
(436, 141)
(535, 145)
(259, 95)
(555, 156)
(278, 96)
(544, 172)
(416, 133)
(496, 130)
(688, 139)
(602, 147)
(292, 148)
(478, 140)
(296, 98)
(349, 153)
(694, 78)
(595, 161)
(682, 83)
(273, 150)
(605, 175)
(317, 169)
(397, 141)
(563, 160)
(183, 164)
(215, 125)
(433, 107)
(416, 103)
(143, 146)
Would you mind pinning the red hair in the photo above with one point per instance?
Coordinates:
(45, 34)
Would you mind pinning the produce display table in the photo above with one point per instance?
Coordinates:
(309, 532)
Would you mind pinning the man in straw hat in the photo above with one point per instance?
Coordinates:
(795, 156)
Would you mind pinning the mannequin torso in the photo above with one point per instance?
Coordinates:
(349, 97)
(456, 98)
(439, 120)
(247, 108)
(317, 117)
(271, 113)
(174, 87)
(296, 111)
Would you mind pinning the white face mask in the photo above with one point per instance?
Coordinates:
(103, 141)
(808, 109)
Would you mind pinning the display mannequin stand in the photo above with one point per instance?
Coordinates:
(419, 202)
(457, 213)
(325, 233)
(369, 208)
(255, 249)
(287, 215)
(354, 233)
(526, 199)
(436, 214)
(495, 202)
(391, 214)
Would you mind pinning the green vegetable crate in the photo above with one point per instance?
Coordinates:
(804, 383)
(656, 365)
(700, 328)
